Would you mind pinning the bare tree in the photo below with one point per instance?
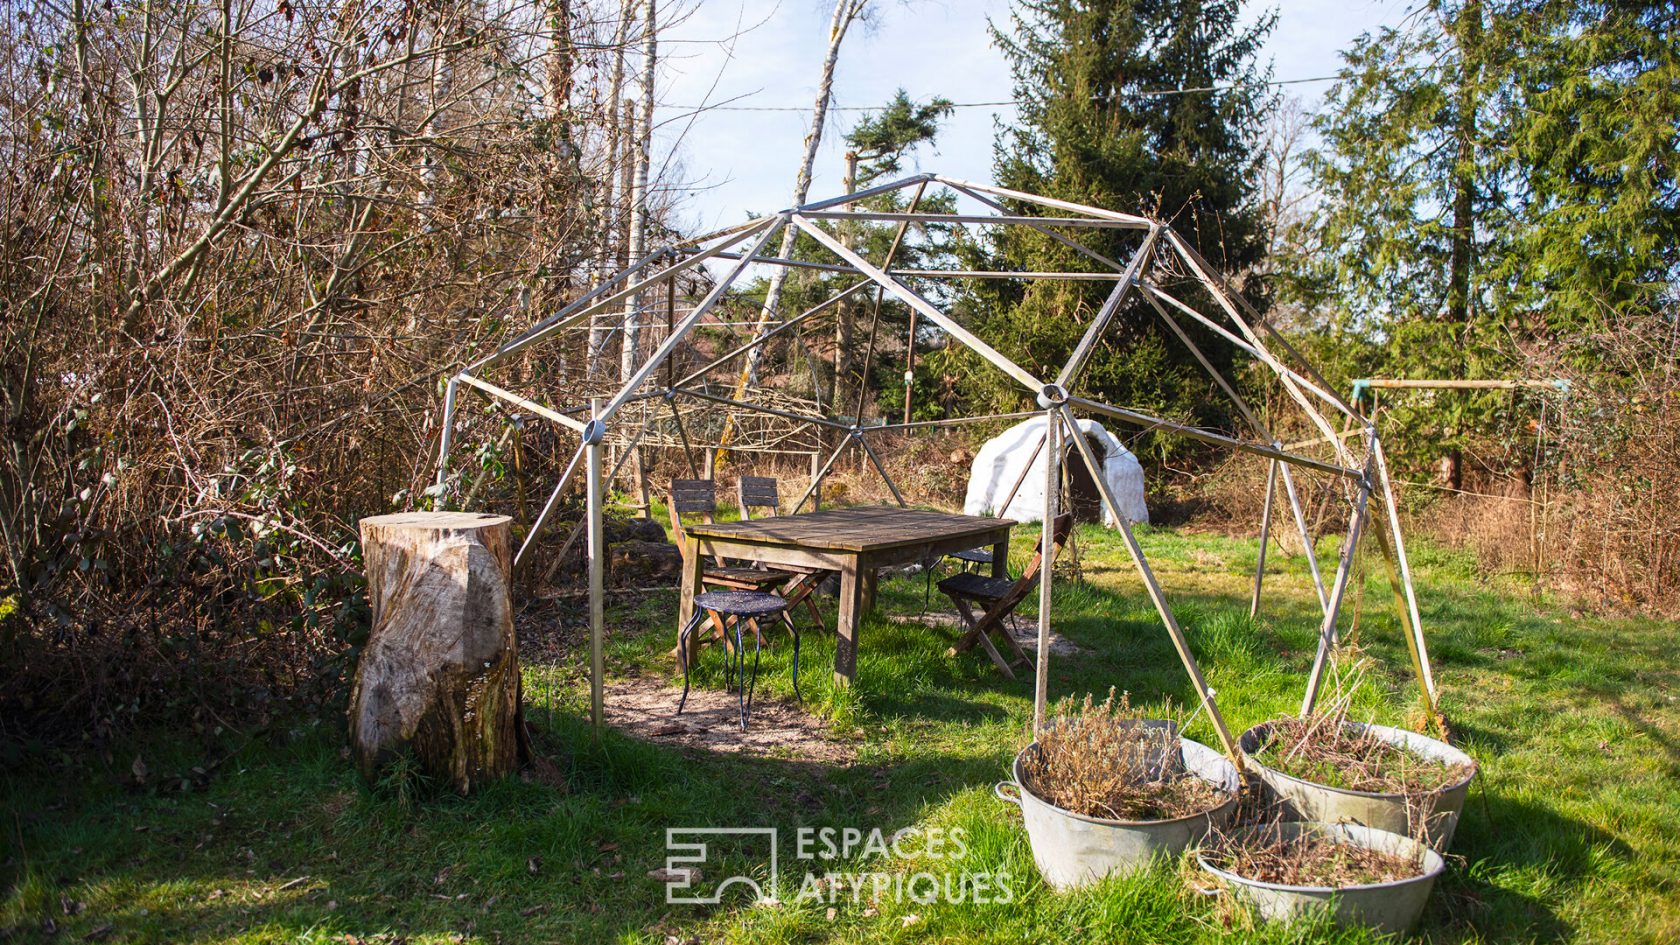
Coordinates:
(846, 12)
(238, 240)
(642, 131)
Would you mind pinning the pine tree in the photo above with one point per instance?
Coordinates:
(1149, 106)
(1495, 174)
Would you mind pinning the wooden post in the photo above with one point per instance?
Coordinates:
(644, 502)
(439, 677)
(816, 476)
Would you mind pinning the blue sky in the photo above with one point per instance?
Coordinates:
(730, 162)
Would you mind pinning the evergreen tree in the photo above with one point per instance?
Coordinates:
(1597, 141)
(1495, 174)
(1414, 224)
(1149, 106)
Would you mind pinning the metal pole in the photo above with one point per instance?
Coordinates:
(1046, 565)
(757, 408)
(1159, 598)
(1327, 630)
(447, 436)
(1260, 428)
(929, 311)
(1265, 537)
(1022, 478)
(689, 321)
(757, 340)
(816, 481)
(548, 508)
(1105, 315)
(1217, 439)
(1051, 202)
(1074, 245)
(875, 316)
(870, 452)
(688, 449)
(1307, 543)
(547, 413)
(1406, 622)
(951, 421)
(597, 565)
(865, 193)
(1427, 675)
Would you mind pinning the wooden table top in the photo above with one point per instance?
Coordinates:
(859, 529)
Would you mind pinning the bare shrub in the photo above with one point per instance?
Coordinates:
(1105, 760)
(239, 247)
(1324, 748)
(1611, 525)
(1497, 521)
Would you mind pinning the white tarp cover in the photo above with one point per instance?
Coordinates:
(998, 465)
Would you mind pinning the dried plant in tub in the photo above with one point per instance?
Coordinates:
(1270, 855)
(1324, 749)
(1105, 760)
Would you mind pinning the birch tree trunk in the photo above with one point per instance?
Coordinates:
(600, 324)
(846, 12)
(643, 130)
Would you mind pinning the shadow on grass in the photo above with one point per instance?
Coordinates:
(1516, 858)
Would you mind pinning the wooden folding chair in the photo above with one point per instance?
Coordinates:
(763, 493)
(699, 497)
(997, 598)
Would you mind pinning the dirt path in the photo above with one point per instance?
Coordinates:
(645, 707)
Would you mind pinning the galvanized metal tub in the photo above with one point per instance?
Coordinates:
(1074, 850)
(1392, 907)
(1397, 813)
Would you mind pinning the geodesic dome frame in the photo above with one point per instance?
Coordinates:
(1354, 454)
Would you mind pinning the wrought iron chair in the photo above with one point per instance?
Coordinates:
(742, 609)
(699, 497)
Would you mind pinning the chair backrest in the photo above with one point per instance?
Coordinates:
(690, 497)
(758, 492)
(1059, 532)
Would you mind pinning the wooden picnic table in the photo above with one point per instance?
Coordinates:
(854, 542)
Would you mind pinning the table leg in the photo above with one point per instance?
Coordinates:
(690, 587)
(1000, 559)
(870, 576)
(846, 625)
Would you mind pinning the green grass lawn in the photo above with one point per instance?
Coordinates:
(1569, 833)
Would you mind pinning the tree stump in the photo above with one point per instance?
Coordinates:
(439, 677)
